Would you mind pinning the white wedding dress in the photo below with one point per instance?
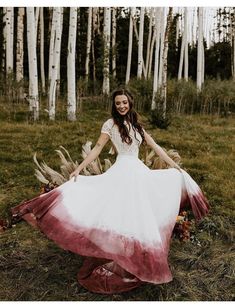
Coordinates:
(121, 220)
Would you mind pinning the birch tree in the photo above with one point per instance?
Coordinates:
(88, 46)
(147, 61)
(164, 72)
(9, 39)
(20, 48)
(184, 49)
(58, 70)
(153, 40)
(95, 12)
(55, 61)
(130, 43)
(42, 67)
(114, 29)
(106, 37)
(4, 38)
(200, 49)
(32, 60)
(162, 33)
(156, 62)
(52, 43)
(186, 44)
(140, 43)
(71, 79)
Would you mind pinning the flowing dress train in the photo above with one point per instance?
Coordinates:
(121, 220)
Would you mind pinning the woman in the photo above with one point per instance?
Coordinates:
(122, 220)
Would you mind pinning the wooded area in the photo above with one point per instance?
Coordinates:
(177, 60)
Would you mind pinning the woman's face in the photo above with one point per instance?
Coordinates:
(122, 104)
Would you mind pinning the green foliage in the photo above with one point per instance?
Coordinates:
(159, 120)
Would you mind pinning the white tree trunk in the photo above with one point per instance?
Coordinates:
(51, 48)
(55, 62)
(88, 45)
(149, 39)
(181, 57)
(200, 49)
(4, 38)
(71, 72)
(161, 46)
(107, 30)
(9, 39)
(186, 44)
(156, 61)
(42, 67)
(130, 43)
(140, 44)
(94, 30)
(32, 60)
(20, 46)
(114, 30)
(36, 20)
(58, 70)
(164, 72)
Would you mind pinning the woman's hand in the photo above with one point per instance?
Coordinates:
(74, 174)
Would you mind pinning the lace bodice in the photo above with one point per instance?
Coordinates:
(121, 147)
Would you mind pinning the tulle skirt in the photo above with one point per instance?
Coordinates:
(121, 221)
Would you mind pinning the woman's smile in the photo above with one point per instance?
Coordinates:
(122, 104)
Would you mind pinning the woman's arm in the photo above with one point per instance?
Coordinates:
(159, 151)
(93, 154)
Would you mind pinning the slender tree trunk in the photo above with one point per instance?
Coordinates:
(36, 20)
(130, 43)
(42, 68)
(161, 46)
(156, 62)
(140, 43)
(4, 38)
(32, 60)
(114, 29)
(51, 48)
(149, 39)
(88, 46)
(58, 70)
(200, 49)
(164, 72)
(152, 46)
(71, 102)
(107, 30)
(94, 31)
(55, 62)
(9, 39)
(181, 57)
(20, 50)
(186, 44)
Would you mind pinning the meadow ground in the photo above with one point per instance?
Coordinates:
(33, 268)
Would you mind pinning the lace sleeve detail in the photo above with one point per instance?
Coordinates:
(106, 128)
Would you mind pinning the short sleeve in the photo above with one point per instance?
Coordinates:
(106, 128)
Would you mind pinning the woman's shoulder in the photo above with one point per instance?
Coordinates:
(107, 126)
(109, 122)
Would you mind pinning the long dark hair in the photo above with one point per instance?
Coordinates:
(131, 117)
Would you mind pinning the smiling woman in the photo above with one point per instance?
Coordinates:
(121, 220)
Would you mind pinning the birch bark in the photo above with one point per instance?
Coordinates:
(71, 80)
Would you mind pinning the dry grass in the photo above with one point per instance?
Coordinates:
(34, 268)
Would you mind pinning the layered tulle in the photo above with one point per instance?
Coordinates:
(122, 220)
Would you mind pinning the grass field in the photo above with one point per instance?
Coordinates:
(33, 268)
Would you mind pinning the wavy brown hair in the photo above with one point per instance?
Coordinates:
(131, 117)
